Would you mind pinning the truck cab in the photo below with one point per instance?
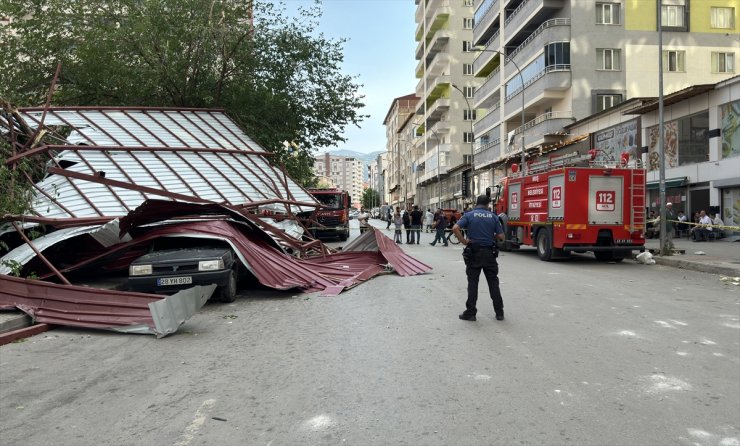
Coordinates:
(331, 220)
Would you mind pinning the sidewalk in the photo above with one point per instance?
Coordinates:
(715, 257)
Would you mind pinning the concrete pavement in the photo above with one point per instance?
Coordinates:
(715, 257)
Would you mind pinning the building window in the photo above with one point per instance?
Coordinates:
(468, 69)
(468, 137)
(467, 46)
(467, 23)
(608, 59)
(468, 91)
(604, 101)
(469, 115)
(674, 61)
(723, 62)
(673, 14)
(557, 54)
(723, 18)
(467, 2)
(607, 13)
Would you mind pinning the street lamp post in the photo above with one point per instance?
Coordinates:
(472, 137)
(521, 79)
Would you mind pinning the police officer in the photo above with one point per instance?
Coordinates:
(480, 253)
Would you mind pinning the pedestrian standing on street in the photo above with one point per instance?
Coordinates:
(480, 253)
(440, 224)
(428, 220)
(363, 219)
(398, 222)
(407, 224)
(389, 217)
(416, 217)
(670, 220)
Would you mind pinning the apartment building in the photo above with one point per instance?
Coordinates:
(546, 64)
(445, 111)
(398, 149)
(345, 173)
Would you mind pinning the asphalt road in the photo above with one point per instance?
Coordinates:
(589, 354)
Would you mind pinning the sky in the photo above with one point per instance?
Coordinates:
(380, 49)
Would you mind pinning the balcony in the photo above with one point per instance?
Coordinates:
(529, 11)
(440, 64)
(491, 118)
(440, 128)
(440, 16)
(488, 91)
(488, 59)
(437, 109)
(487, 154)
(483, 19)
(550, 83)
(438, 43)
(553, 30)
(545, 124)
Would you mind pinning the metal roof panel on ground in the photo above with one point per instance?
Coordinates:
(78, 306)
(402, 263)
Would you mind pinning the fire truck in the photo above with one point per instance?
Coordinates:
(570, 204)
(332, 218)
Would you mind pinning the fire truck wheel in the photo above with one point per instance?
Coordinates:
(544, 248)
(344, 236)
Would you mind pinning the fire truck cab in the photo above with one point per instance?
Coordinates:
(560, 208)
(332, 218)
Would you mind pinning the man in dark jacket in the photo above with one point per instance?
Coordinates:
(440, 223)
(416, 217)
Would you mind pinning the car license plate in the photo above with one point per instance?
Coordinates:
(164, 281)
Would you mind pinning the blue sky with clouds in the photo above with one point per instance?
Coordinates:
(380, 50)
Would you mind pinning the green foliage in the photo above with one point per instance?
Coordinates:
(280, 80)
(370, 198)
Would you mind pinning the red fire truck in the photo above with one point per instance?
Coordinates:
(332, 219)
(560, 208)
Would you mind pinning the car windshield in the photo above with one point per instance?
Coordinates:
(332, 201)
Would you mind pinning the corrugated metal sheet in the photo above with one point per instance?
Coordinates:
(402, 263)
(78, 306)
(143, 151)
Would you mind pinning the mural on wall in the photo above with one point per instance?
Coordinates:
(614, 141)
(670, 140)
(729, 115)
(731, 207)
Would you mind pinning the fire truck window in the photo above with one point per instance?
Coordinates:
(330, 201)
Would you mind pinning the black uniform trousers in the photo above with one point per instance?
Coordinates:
(482, 258)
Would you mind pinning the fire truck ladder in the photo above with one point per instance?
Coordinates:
(637, 197)
(559, 161)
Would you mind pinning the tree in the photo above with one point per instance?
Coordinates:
(276, 76)
(370, 198)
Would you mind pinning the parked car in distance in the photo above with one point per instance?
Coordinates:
(353, 214)
(167, 269)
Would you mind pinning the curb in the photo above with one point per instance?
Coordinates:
(696, 266)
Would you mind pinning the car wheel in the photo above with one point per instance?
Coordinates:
(227, 293)
(544, 250)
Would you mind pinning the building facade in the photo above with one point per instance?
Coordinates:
(343, 172)
(546, 64)
(397, 148)
(701, 150)
(445, 111)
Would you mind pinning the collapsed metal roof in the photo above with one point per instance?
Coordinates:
(121, 177)
(116, 158)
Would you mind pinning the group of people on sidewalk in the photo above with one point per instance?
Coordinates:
(414, 221)
(702, 229)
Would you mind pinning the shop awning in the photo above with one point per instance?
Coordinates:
(669, 183)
